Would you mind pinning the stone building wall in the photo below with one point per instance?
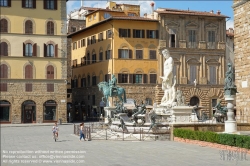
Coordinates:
(16, 95)
(242, 58)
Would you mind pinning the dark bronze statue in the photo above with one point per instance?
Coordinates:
(230, 88)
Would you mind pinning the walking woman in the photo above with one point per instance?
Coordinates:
(81, 132)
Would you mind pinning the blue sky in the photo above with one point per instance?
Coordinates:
(225, 6)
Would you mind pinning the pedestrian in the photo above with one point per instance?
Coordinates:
(55, 130)
(81, 132)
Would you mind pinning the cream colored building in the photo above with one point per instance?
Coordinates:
(196, 41)
(33, 61)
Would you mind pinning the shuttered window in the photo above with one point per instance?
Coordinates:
(50, 28)
(88, 58)
(50, 87)
(108, 54)
(88, 80)
(3, 74)
(137, 78)
(94, 58)
(3, 49)
(4, 25)
(193, 72)
(124, 32)
(5, 3)
(153, 78)
(50, 72)
(212, 74)
(124, 53)
(152, 54)
(138, 33)
(122, 78)
(139, 54)
(100, 56)
(29, 3)
(83, 82)
(153, 34)
(28, 27)
(28, 72)
(50, 4)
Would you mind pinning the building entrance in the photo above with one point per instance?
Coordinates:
(29, 112)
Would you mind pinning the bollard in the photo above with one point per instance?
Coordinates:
(74, 129)
(60, 121)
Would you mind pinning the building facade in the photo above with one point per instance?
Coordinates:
(33, 61)
(242, 60)
(196, 41)
(113, 43)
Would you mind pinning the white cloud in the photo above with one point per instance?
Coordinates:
(144, 5)
(230, 24)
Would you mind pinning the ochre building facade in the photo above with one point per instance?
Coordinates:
(33, 61)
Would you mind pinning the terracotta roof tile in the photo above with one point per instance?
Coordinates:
(187, 12)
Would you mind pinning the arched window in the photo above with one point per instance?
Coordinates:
(50, 50)
(28, 75)
(88, 79)
(4, 25)
(50, 72)
(50, 28)
(3, 49)
(28, 49)
(28, 72)
(28, 27)
(3, 74)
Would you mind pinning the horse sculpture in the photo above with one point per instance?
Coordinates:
(104, 87)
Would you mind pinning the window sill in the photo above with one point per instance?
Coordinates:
(28, 8)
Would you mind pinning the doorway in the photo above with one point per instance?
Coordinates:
(29, 112)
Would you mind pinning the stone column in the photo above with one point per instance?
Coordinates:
(230, 124)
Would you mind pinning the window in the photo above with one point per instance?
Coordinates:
(100, 37)
(94, 16)
(29, 3)
(124, 53)
(107, 77)
(50, 28)
(153, 34)
(83, 61)
(100, 56)
(138, 78)
(50, 50)
(124, 32)
(73, 29)
(28, 50)
(172, 38)
(139, 54)
(83, 82)
(28, 72)
(192, 74)
(108, 54)
(153, 78)
(93, 99)
(4, 25)
(88, 79)
(107, 15)
(123, 78)
(50, 72)
(93, 80)
(88, 58)
(3, 74)
(5, 3)
(152, 54)
(94, 58)
(131, 14)
(108, 34)
(50, 87)
(28, 27)
(192, 39)
(50, 4)
(74, 46)
(3, 49)
(211, 40)
(75, 63)
(83, 43)
(93, 40)
(138, 33)
(212, 74)
(88, 41)
(75, 83)
(90, 18)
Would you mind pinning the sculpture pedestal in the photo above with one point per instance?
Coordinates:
(181, 114)
(230, 124)
(109, 112)
(194, 117)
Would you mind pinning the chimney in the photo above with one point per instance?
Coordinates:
(211, 11)
(218, 12)
(152, 6)
(145, 15)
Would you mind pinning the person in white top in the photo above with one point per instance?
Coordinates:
(55, 130)
(81, 132)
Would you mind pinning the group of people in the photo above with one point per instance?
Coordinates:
(55, 130)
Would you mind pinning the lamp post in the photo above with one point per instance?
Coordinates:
(112, 55)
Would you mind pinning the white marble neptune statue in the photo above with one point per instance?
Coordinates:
(167, 80)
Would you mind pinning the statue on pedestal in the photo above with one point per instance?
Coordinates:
(230, 88)
(167, 80)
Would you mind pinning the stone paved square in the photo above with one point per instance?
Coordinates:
(38, 140)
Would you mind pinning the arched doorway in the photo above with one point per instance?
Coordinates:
(194, 101)
(28, 111)
(4, 111)
(50, 111)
